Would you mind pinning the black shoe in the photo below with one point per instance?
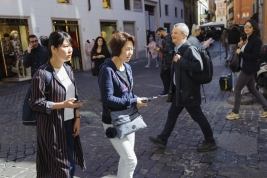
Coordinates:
(163, 93)
(158, 141)
(207, 146)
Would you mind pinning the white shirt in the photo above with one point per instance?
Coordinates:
(70, 90)
(242, 49)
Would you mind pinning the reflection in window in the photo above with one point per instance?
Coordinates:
(106, 3)
(182, 13)
(127, 5)
(63, 1)
(175, 11)
(137, 5)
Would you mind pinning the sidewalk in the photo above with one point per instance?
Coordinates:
(242, 143)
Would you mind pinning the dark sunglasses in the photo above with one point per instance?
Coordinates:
(35, 41)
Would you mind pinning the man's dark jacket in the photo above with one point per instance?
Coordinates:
(167, 52)
(234, 36)
(187, 91)
(35, 59)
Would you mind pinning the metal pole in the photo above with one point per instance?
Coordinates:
(220, 49)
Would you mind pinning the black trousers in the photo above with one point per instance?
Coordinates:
(70, 143)
(196, 114)
(165, 76)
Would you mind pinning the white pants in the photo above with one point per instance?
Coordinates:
(125, 148)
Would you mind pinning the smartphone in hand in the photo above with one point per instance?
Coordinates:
(80, 101)
(148, 99)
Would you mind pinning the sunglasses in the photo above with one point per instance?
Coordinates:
(248, 26)
(35, 41)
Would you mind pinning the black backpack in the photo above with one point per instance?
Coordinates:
(205, 76)
(29, 116)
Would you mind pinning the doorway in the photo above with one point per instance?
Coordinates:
(72, 28)
(128, 27)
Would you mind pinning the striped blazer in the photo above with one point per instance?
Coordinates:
(52, 157)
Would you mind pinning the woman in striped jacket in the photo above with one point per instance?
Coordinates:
(58, 123)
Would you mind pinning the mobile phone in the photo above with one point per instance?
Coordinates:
(148, 99)
(80, 101)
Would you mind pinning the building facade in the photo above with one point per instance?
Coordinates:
(85, 20)
(202, 11)
(221, 12)
(263, 20)
(239, 11)
(190, 10)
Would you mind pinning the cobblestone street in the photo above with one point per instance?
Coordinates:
(242, 151)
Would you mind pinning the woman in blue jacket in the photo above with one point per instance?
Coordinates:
(249, 56)
(116, 87)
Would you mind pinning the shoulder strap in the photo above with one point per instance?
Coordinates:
(183, 49)
(48, 79)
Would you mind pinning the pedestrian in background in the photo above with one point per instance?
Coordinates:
(99, 53)
(152, 53)
(116, 86)
(167, 54)
(249, 64)
(35, 55)
(187, 92)
(233, 40)
(193, 40)
(58, 123)
(225, 44)
(44, 42)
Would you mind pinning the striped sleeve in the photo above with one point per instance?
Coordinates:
(38, 100)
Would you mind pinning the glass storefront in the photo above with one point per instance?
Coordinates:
(106, 29)
(13, 35)
(72, 28)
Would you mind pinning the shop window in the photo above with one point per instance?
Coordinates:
(63, 1)
(175, 11)
(138, 5)
(166, 10)
(106, 4)
(127, 5)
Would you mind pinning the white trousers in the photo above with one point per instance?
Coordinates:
(125, 148)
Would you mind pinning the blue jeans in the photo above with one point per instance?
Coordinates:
(70, 144)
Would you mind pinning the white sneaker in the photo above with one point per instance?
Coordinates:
(147, 66)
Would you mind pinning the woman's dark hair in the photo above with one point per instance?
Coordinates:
(104, 45)
(56, 39)
(256, 30)
(44, 40)
(118, 40)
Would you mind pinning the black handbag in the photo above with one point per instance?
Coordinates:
(127, 121)
(234, 64)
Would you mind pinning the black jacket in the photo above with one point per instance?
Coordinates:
(234, 36)
(187, 91)
(35, 59)
(251, 56)
(167, 52)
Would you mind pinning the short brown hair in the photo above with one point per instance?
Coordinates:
(118, 40)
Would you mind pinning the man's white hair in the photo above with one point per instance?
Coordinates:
(183, 28)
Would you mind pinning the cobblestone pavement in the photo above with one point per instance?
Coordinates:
(242, 143)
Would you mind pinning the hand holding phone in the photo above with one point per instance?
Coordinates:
(146, 100)
(80, 101)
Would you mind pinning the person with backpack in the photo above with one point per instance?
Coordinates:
(249, 53)
(58, 123)
(186, 90)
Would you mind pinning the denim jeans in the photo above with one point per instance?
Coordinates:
(125, 148)
(249, 81)
(70, 144)
(196, 114)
